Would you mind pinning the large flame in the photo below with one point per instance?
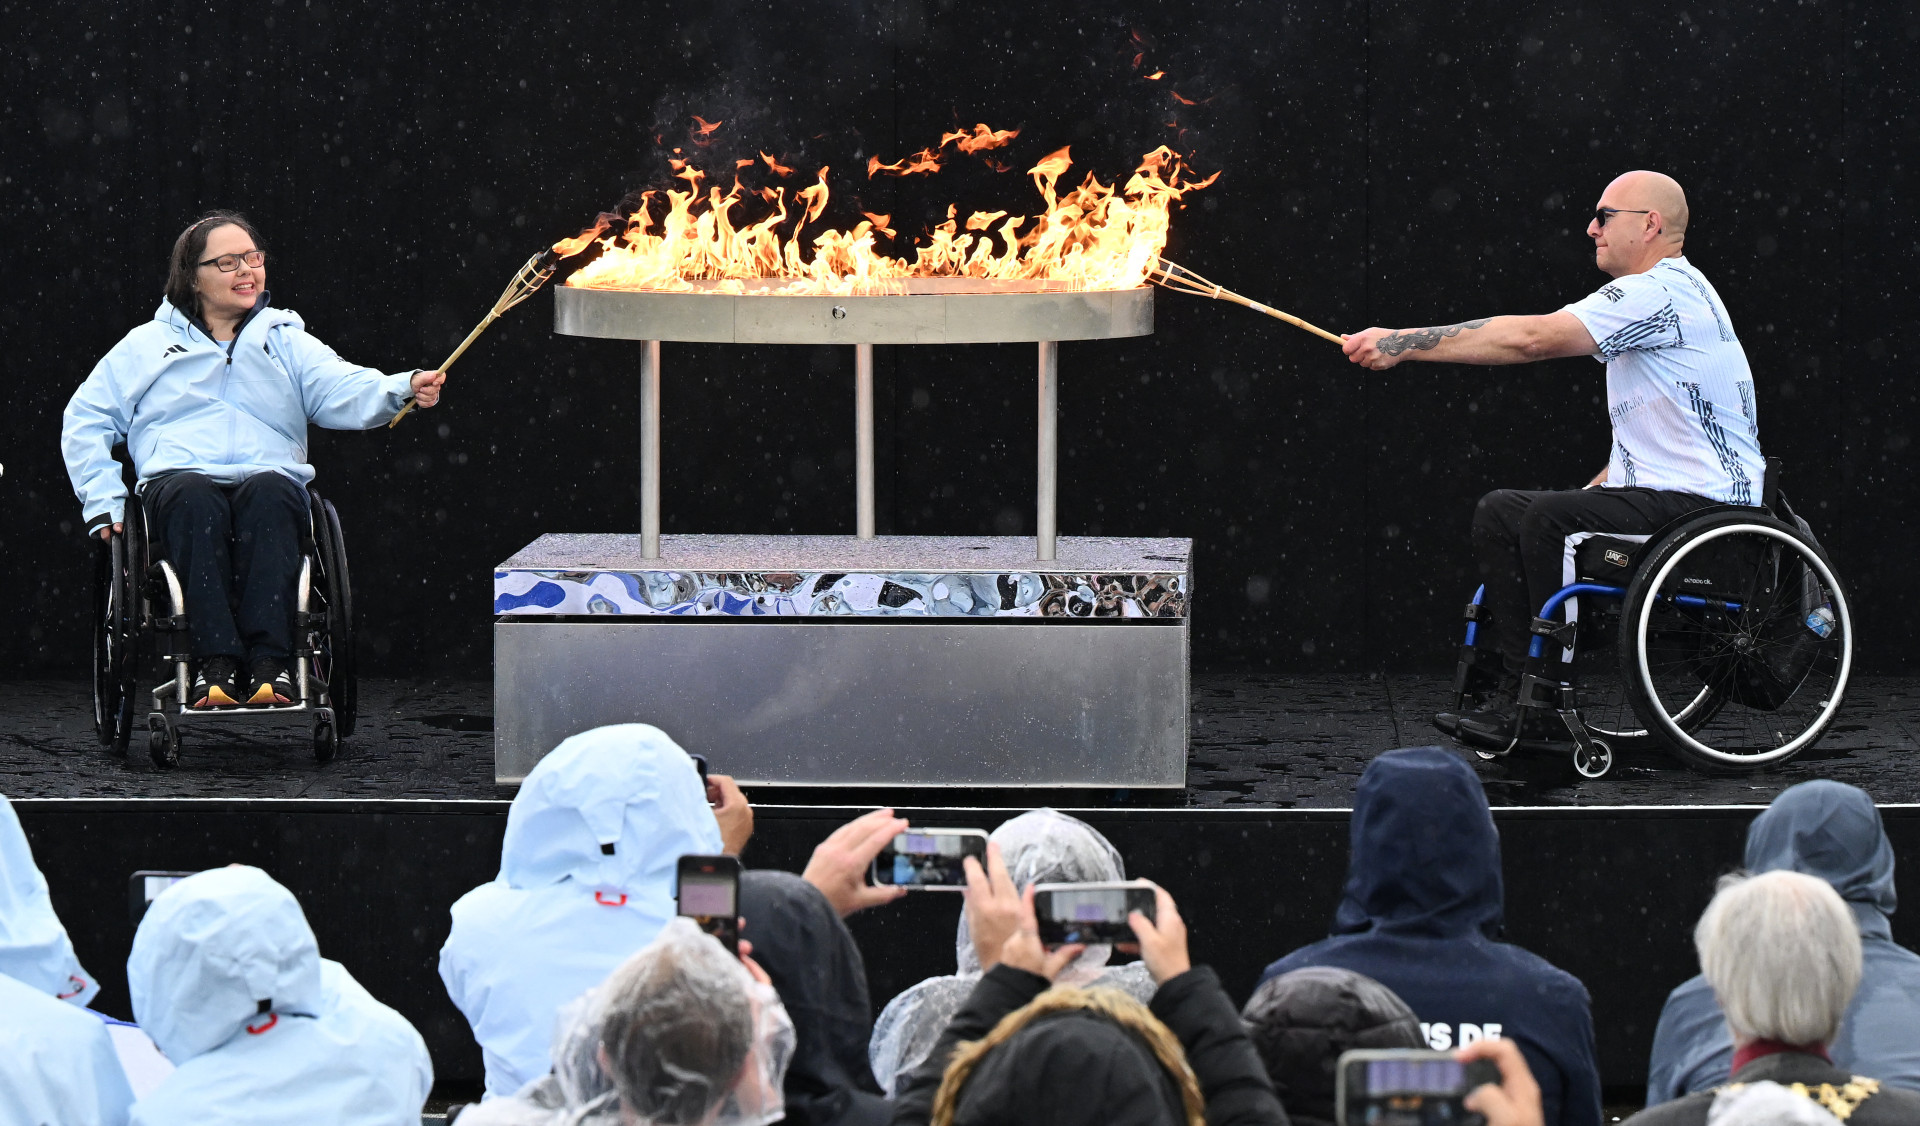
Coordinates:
(1091, 237)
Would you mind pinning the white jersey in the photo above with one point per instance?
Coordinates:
(1679, 391)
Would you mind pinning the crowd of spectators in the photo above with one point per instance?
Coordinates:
(594, 1004)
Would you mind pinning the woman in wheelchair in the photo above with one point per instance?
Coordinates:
(212, 398)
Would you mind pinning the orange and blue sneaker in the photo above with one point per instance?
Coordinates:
(271, 683)
(214, 686)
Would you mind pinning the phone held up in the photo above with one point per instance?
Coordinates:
(146, 886)
(1095, 912)
(710, 895)
(1407, 1087)
(929, 859)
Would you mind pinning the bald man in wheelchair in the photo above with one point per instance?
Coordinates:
(212, 397)
(1680, 397)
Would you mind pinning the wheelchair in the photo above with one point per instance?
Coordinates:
(1723, 639)
(138, 602)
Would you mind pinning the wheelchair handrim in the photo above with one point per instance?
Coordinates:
(1828, 707)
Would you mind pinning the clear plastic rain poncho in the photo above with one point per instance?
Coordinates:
(226, 977)
(1040, 846)
(586, 878)
(34, 948)
(688, 1037)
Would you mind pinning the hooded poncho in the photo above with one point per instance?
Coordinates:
(1041, 846)
(227, 979)
(586, 878)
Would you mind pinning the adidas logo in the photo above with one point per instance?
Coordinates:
(170, 351)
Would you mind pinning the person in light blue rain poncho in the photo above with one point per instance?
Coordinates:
(57, 1063)
(586, 878)
(1830, 830)
(228, 980)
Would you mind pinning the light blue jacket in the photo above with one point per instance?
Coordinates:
(1830, 830)
(182, 400)
(586, 878)
(34, 948)
(227, 979)
(57, 1064)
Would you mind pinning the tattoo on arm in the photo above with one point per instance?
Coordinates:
(1425, 339)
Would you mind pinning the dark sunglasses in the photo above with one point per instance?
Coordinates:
(228, 263)
(1600, 214)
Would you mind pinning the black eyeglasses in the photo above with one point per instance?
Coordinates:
(228, 263)
(1600, 216)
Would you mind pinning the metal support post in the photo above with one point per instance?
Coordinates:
(863, 440)
(1045, 523)
(650, 449)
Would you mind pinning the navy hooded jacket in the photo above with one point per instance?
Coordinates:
(1830, 830)
(1421, 913)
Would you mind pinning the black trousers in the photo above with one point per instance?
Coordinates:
(1520, 541)
(237, 551)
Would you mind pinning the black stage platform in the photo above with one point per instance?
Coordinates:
(1259, 740)
(1604, 879)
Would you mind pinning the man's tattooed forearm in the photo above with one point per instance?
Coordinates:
(1423, 339)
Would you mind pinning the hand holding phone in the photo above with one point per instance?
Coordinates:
(840, 864)
(1408, 1087)
(1163, 938)
(928, 859)
(1092, 912)
(709, 894)
(1514, 1098)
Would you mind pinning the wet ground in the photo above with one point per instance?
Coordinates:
(1258, 740)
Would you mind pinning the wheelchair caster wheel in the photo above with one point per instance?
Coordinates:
(163, 743)
(326, 741)
(1593, 760)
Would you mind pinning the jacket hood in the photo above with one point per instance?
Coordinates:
(216, 950)
(815, 965)
(1301, 1021)
(34, 947)
(183, 320)
(1830, 830)
(1073, 1068)
(1425, 855)
(614, 807)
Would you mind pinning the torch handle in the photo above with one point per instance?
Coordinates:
(1287, 317)
(457, 353)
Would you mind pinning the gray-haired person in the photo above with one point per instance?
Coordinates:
(1830, 830)
(1782, 954)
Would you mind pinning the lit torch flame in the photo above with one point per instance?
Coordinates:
(1096, 236)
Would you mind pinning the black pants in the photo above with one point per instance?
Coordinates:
(1520, 540)
(237, 552)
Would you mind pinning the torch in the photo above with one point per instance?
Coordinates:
(526, 282)
(1174, 276)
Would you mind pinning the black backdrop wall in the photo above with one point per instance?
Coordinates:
(1385, 161)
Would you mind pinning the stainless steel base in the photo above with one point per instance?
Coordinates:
(860, 702)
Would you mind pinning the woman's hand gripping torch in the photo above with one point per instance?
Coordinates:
(1177, 277)
(531, 276)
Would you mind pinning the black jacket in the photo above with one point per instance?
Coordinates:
(1890, 1106)
(800, 941)
(1029, 1086)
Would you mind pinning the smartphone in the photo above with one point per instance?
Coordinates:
(1090, 912)
(929, 858)
(146, 886)
(700, 764)
(1407, 1087)
(710, 896)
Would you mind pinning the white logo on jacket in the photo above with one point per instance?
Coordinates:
(1439, 1035)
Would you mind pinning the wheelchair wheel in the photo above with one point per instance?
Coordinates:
(334, 663)
(116, 635)
(1737, 642)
